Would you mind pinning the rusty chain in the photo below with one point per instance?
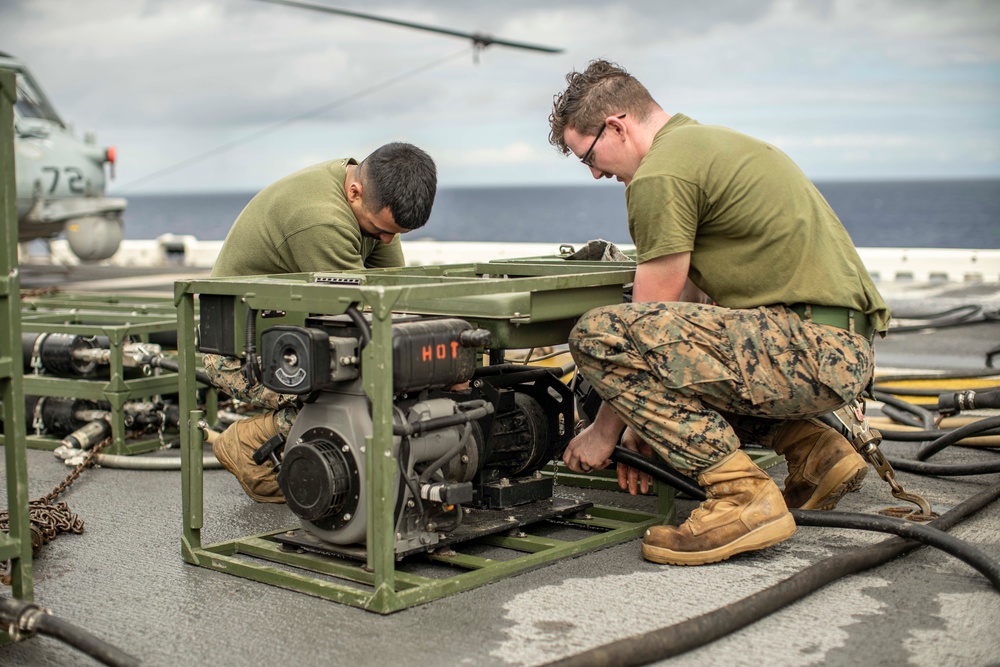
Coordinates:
(48, 519)
(88, 462)
(39, 291)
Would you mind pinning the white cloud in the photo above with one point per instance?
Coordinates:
(516, 153)
(168, 80)
(841, 141)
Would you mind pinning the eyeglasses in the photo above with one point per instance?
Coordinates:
(586, 156)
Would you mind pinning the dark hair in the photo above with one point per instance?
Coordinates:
(402, 177)
(603, 89)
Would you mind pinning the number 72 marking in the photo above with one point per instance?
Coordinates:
(74, 179)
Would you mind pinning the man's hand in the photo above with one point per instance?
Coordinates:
(590, 450)
(630, 478)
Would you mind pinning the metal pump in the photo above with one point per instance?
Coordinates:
(465, 439)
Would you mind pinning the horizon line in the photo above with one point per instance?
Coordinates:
(519, 186)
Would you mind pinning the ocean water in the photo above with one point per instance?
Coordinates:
(911, 214)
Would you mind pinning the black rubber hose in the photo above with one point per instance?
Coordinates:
(364, 329)
(499, 369)
(920, 436)
(511, 379)
(932, 448)
(938, 325)
(956, 375)
(960, 316)
(415, 428)
(685, 484)
(943, 469)
(171, 365)
(958, 312)
(505, 375)
(902, 417)
(564, 370)
(29, 617)
(926, 416)
(926, 534)
(436, 464)
(664, 474)
(914, 391)
(84, 641)
(696, 632)
(411, 481)
(953, 402)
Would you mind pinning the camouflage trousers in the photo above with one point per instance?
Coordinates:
(227, 374)
(695, 380)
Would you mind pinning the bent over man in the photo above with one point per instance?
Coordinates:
(787, 337)
(334, 216)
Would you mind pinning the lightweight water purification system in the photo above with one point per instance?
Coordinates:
(407, 448)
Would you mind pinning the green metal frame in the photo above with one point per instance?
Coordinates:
(121, 319)
(523, 304)
(65, 302)
(15, 545)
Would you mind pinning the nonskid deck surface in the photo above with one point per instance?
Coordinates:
(123, 578)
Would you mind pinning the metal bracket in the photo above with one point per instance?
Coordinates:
(36, 354)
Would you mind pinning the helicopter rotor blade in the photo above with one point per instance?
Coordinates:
(479, 39)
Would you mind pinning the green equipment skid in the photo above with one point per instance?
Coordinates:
(121, 320)
(524, 303)
(15, 546)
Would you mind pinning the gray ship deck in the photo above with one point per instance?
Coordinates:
(123, 578)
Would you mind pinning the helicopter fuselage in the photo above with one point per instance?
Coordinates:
(60, 178)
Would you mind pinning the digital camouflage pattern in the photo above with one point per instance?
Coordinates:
(236, 445)
(695, 380)
(226, 373)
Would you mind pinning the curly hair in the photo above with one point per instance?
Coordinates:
(603, 89)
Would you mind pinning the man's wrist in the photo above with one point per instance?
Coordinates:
(608, 425)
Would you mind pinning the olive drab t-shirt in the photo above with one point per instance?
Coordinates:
(758, 230)
(302, 223)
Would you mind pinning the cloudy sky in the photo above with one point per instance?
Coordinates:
(851, 89)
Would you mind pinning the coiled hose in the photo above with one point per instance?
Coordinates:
(696, 632)
(922, 417)
(935, 440)
(957, 434)
(208, 462)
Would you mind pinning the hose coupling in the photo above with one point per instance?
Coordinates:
(21, 618)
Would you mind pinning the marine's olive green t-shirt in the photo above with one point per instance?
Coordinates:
(302, 223)
(758, 230)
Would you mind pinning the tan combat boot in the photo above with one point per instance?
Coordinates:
(744, 512)
(235, 447)
(822, 465)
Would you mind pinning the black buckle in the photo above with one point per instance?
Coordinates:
(269, 451)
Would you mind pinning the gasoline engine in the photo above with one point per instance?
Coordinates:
(466, 440)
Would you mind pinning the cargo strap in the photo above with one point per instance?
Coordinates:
(866, 440)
